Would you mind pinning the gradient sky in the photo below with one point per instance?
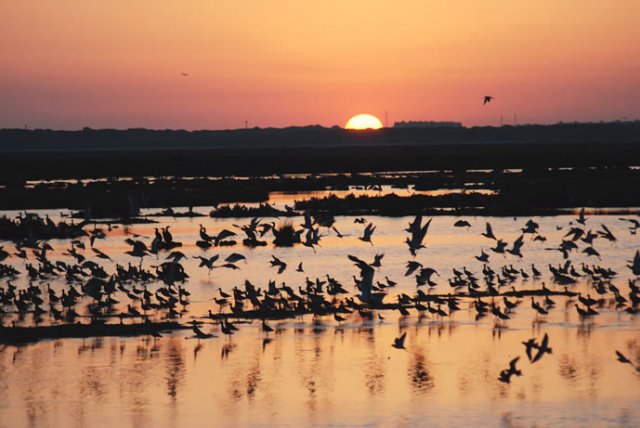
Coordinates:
(72, 63)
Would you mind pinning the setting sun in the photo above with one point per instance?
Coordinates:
(363, 121)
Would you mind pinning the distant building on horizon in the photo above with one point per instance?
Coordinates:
(426, 124)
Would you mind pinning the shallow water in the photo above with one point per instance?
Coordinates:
(310, 373)
(279, 199)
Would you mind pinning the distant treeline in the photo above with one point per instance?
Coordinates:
(148, 139)
(45, 154)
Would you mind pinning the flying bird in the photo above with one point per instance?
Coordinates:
(622, 358)
(505, 375)
(279, 263)
(489, 233)
(542, 349)
(398, 342)
(487, 99)
(368, 231)
(530, 345)
(418, 233)
(462, 223)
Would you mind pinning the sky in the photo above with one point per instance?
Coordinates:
(67, 64)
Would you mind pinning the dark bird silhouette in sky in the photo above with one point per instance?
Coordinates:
(487, 99)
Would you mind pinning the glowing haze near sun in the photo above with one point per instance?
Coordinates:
(363, 121)
(119, 63)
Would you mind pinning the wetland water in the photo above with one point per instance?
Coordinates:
(321, 373)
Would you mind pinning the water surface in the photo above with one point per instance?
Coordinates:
(319, 373)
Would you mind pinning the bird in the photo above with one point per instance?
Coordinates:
(226, 328)
(500, 247)
(176, 256)
(234, 257)
(100, 254)
(539, 309)
(424, 277)
(3, 254)
(207, 262)
(377, 260)
(166, 235)
(368, 231)
(340, 235)
(607, 234)
(139, 248)
(266, 328)
(483, 257)
(489, 232)
(462, 223)
(279, 263)
(517, 245)
(495, 310)
(635, 263)
(542, 348)
(623, 359)
(199, 334)
(530, 345)
(398, 342)
(184, 74)
(412, 266)
(581, 218)
(487, 99)
(530, 227)
(418, 233)
(505, 375)
(590, 251)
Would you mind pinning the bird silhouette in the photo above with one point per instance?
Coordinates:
(367, 233)
(543, 348)
(398, 342)
(530, 345)
(489, 232)
(505, 375)
(623, 359)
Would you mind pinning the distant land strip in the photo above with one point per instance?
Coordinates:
(49, 154)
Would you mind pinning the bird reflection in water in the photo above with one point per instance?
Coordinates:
(568, 368)
(196, 350)
(419, 373)
(375, 374)
(226, 350)
(174, 367)
(253, 379)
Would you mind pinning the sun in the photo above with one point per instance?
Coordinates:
(363, 121)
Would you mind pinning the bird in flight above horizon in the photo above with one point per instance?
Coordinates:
(487, 99)
(184, 74)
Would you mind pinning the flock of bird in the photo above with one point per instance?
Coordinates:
(159, 289)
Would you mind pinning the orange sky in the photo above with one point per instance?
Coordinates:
(74, 63)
